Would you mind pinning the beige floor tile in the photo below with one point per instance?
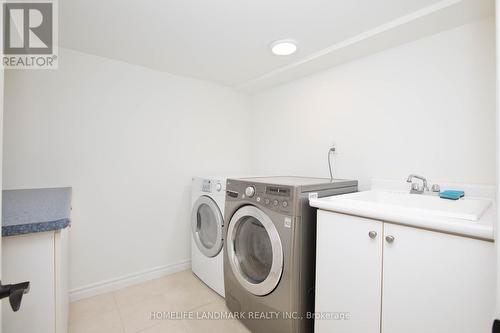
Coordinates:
(214, 325)
(137, 316)
(109, 322)
(184, 279)
(175, 293)
(171, 326)
(191, 295)
(143, 291)
(92, 306)
(129, 310)
(136, 293)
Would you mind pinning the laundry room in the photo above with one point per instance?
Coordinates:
(265, 166)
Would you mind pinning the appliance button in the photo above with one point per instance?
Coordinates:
(285, 204)
(258, 199)
(250, 191)
(275, 202)
(267, 201)
(218, 187)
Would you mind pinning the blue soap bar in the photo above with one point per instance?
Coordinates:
(451, 194)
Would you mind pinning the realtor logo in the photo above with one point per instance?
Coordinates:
(29, 34)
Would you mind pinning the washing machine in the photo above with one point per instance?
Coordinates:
(270, 251)
(207, 222)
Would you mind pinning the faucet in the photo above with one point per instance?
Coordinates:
(415, 187)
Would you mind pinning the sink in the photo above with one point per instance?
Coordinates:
(469, 216)
(401, 203)
(465, 208)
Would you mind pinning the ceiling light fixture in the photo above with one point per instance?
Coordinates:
(284, 47)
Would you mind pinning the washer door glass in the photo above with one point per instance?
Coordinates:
(207, 226)
(255, 251)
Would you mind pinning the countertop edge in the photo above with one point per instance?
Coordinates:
(479, 231)
(36, 227)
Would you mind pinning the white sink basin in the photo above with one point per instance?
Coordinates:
(467, 216)
(461, 217)
(465, 208)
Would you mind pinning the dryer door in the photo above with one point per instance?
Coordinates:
(207, 225)
(254, 250)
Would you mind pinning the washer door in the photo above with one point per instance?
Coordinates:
(254, 250)
(207, 225)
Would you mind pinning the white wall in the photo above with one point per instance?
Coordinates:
(128, 140)
(426, 107)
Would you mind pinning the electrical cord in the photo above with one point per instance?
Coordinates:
(330, 151)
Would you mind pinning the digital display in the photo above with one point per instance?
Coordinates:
(281, 191)
(232, 194)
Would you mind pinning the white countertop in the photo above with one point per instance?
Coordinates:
(483, 228)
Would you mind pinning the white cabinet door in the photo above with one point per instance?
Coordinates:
(435, 282)
(30, 258)
(348, 273)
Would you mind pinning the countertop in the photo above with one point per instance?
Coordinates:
(481, 229)
(35, 210)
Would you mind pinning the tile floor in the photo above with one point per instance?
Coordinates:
(129, 310)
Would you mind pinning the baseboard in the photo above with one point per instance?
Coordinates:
(127, 280)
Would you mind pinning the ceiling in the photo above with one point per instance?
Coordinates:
(224, 41)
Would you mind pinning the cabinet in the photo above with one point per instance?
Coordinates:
(348, 273)
(392, 278)
(40, 258)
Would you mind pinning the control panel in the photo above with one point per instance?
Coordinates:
(206, 186)
(277, 198)
(209, 186)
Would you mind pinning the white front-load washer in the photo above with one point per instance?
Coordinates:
(207, 227)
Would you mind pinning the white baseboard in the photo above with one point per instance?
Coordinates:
(127, 280)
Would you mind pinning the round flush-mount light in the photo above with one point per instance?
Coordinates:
(284, 47)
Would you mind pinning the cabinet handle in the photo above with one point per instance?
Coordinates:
(15, 293)
(372, 234)
(389, 239)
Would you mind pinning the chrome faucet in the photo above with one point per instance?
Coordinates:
(415, 187)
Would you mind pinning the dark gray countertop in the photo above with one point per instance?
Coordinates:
(35, 210)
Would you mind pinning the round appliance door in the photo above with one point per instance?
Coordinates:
(207, 225)
(254, 250)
